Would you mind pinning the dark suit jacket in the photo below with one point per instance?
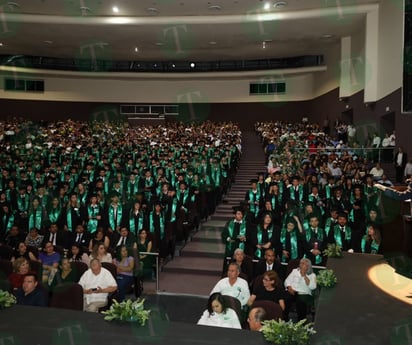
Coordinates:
(84, 241)
(261, 268)
(61, 239)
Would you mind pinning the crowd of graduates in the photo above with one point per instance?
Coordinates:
(298, 206)
(94, 179)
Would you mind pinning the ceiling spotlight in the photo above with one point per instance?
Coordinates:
(263, 45)
(212, 43)
(280, 4)
(215, 8)
(266, 6)
(115, 9)
(136, 49)
(159, 44)
(1, 44)
(327, 36)
(48, 42)
(192, 65)
(13, 5)
(152, 10)
(173, 65)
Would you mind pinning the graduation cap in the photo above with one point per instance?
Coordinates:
(261, 174)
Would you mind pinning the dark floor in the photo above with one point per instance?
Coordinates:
(356, 311)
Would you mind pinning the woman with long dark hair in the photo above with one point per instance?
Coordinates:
(218, 314)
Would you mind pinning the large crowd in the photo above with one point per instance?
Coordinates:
(85, 190)
(315, 192)
(100, 193)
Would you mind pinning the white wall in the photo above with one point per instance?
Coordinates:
(391, 21)
(126, 88)
(329, 79)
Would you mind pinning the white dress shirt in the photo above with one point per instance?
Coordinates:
(297, 282)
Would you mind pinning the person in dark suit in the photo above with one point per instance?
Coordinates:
(124, 238)
(56, 236)
(399, 161)
(269, 263)
(80, 237)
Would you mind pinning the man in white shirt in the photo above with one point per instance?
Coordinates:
(233, 286)
(97, 283)
(299, 284)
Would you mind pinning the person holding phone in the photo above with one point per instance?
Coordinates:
(97, 283)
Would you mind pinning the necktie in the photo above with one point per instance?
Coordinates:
(124, 241)
(52, 239)
(79, 237)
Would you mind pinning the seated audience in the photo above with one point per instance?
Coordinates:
(99, 252)
(256, 317)
(34, 239)
(245, 264)
(233, 285)
(300, 284)
(125, 266)
(218, 314)
(372, 240)
(99, 237)
(97, 283)
(64, 274)
(21, 266)
(50, 262)
(76, 254)
(271, 290)
(23, 252)
(144, 245)
(31, 293)
(268, 263)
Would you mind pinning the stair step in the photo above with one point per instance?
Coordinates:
(201, 265)
(211, 236)
(203, 249)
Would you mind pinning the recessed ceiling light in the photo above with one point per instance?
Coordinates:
(48, 42)
(192, 65)
(280, 4)
(1, 44)
(152, 10)
(266, 6)
(215, 8)
(212, 43)
(136, 49)
(115, 9)
(327, 36)
(13, 4)
(159, 44)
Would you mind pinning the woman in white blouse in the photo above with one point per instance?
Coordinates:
(218, 314)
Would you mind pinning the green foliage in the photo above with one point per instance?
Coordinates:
(128, 311)
(288, 333)
(333, 251)
(6, 299)
(326, 278)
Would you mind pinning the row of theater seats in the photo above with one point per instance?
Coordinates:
(65, 296)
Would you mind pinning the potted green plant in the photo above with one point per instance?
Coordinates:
(326, 278)
(127, 311)
(6, 299)
(288, 333)
(333, 251)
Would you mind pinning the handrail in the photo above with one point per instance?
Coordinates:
(157, 266)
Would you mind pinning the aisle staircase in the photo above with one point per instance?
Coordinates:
(198, 265)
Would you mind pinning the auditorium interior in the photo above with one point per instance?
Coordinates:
(103, 93)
